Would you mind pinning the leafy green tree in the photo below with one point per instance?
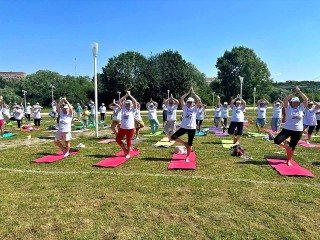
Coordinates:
(242, 61)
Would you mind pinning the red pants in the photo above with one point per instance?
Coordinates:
(125, 132)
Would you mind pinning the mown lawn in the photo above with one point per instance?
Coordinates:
(225, 198)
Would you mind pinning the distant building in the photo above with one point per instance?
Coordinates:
(209, 80)
(12, 75)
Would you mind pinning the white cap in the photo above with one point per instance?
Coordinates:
(127, 101)
(295, 99)
(102, 104)
(278, 103)
(225, 103)
(238, 101)
(311, 102)
(37, 103)
(65, 107)
(190, 99)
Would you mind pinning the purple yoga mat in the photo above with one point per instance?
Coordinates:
(221, 134)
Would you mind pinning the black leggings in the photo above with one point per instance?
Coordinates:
(102, 116)
(19, 123)
(36, 122)
(310, 128)
(285, 133)
(181, 131)
(318, 126)
(236, 125)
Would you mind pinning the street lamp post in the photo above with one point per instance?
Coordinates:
(168, 93)
(213, 101)
(52, 87)
(94, 47)
(119, 95)
(241, 81)
(25, 99)
(254, 98)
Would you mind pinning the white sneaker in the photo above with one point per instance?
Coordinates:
(187, 160)
(128, 156)
(307, 142)
(66, 154)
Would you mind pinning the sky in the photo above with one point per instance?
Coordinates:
(56, 35)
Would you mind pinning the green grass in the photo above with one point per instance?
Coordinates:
(225, 198)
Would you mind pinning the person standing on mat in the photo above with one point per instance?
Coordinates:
(238, 106)
(172, 106)
(102, 110)
(37, 116)
(78, 111)
(164, 114)
(53, 112)
(116, 120)
(224, 115)
(200, 117)
(92, 117)
(294, 123)
(310, 120)
(217, 114)
(188, 123)
(128, 109)
(138, 122)
(1, 117)
(262, 105)
(318, 122)
(85, 117)
(27, 111)
(18, 114)
(64, 131)
(152, 115)
(277, 115)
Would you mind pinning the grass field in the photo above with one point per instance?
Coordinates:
(225, 198)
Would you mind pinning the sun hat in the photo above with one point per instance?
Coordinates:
(190, 99)
(295, 99)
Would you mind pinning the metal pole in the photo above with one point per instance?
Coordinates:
(119, 95)
(213, 101)
(52, 93)
(96, 95)
(254, 99)
(241, 81)
(168, 93)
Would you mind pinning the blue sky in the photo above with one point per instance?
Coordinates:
(52, 34)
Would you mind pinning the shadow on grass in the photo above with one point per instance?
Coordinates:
(47, 137)
(101, 156)
(316, 164)
(281, 157)
(154, 159)
(261, 163)
(211, 142)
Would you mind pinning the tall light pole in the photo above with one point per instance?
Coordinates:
(168, 93)
(25, 99)
(94, 47)
(254, 98)
(119, 95)
(52, 87)
(241, 81)
(213, 101)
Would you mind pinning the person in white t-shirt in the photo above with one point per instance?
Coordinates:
(200, 116)
(225, 108)
(310, 119)
(318, 121)
(37, 116)
(238, 106)
(1, 117)
(102, 110)
(217, 114)
(164, 114)
(188, 123)
(152, 115)
(18, 115)
(294, 123)
(138, 122)
(92, 117)
(128, 109)
(27, 111)
(172, 106)
(277, 115)
(53, 112)
(64, 131)
(262, 106)
(116, 117)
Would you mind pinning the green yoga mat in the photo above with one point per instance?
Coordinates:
(164, 142)
(156, 134)
(254, 134)
(227, 143)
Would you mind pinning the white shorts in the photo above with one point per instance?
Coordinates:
(63, 136)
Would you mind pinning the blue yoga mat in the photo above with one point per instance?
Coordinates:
(6, 135)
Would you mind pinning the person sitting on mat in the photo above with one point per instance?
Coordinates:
(200, 117)
(64, 131)
(152, 115)
(277, 115)
(128, 109)
(238, 106)
(224, 115)
(294, 123)
(217, 114)
(172, 106)
(310, 120)
(116, 118)
(1, 117)
(262, 105)
(138, 122)
(188, 123)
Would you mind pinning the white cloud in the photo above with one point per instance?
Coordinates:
(279, 74)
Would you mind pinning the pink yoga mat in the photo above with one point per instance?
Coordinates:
(109, 140)
(221, 134)
(270, 131)
(116, 160)
(304, 144)
(283, 169)
(246, 124)
(54, 157)
(178, 161)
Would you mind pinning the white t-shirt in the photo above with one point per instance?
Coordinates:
(237, 114)
(65, 122)
(92, 109)
(189, 117)
(137, 115)
(54, 108)
(200, 114)
(6, 111)
(164, 107)
(262, 111)
(172, 113)
(217, 112)
(127, 118)
(27, 110)
(225, 111)
(152, 113)
(1, 115)
(318, 115)
(277, 112)
(37, 113)
(18, 114)
(294, 118)
(310, 117)
(102, 109)
(116, 113)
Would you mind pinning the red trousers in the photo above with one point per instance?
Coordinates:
(125, 132)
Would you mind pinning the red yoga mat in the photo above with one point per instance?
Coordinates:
(108, 140)
(178, 161)
(270, 131)
(116, 160)
(54, 157)
(304, 144)
(283, 169)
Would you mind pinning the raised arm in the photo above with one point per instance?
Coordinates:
(69, 105)
(304, 97)
(219, 102)
(1, 101)
(233, 101)
(287, 99)
(134, 101)
(199, 103)
(59, 105)
(244, 104)
(184, 96)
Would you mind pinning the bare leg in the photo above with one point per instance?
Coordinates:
(189, 148)
(58, 143)
(289, 153)
(258, 128)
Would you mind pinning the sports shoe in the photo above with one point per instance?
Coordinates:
(187, 159)
(307, 142)
(66, 154)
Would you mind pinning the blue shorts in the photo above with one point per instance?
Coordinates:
(261, 122)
